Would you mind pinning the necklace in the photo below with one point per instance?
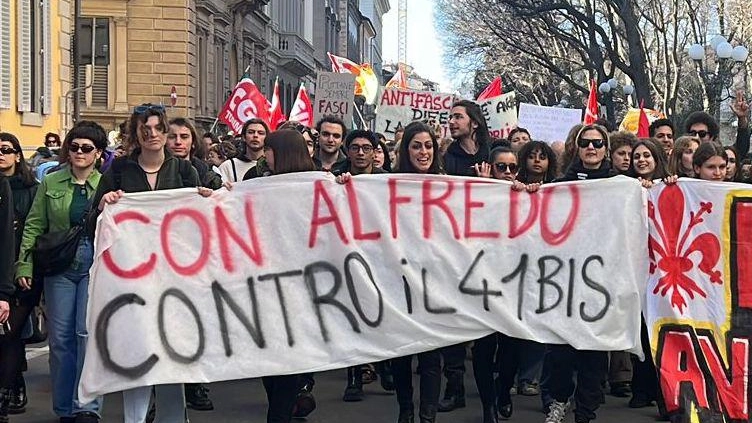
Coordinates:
(150, 173)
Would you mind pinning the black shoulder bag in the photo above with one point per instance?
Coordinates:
(53, 252)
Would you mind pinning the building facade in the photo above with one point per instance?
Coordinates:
(34, 67)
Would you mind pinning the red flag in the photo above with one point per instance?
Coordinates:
(399, 80)
(593, 109)
(302, 110)
(276, 115)
(643, 130)
(245, 102)
(493, 89)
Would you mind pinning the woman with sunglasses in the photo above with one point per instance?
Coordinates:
(24, 187)
(149, 167)
(418, 153)
(61, 202)
(562, 362)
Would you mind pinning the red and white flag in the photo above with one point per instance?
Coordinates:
(592, 113)
(245, 102)
(643, 128)
(494, 89)
(399, 80)
(302, 109)
(276, 115)
(366, 82)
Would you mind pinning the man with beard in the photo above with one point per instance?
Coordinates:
(332, 131)
(254, 133)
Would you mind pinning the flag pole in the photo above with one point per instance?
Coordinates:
(365, 124)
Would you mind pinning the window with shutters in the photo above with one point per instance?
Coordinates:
(5, 43)
(34, 56)
(202, 82)
(94, 58)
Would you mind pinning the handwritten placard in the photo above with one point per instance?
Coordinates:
(249, 282)
(334, 96)
(501, 114)
(397, 108)
(548, 124)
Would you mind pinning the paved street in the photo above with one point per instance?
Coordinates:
(245, 401)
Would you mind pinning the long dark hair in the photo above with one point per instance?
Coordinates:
(387, 166)
(22, 168)
(661, 163)
(475, 113)
(737, 165)
(531, 148)
(290, 152)
(411, 130)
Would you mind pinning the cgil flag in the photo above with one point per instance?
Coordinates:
(494, 89)
(302, 109)
(245, 102)
(276, 115)
(366, 82)
(399, 80)
(593, 109)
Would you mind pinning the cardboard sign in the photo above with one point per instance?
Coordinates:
(548, 124)
(248, 282)
(501, 114)
(397, 108)
(334, 96)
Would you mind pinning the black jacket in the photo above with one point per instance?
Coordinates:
(126, 174)
(23, 197)
(346, 166)
(207, 177)
(7, 215)
(577, 172)
(459, 162)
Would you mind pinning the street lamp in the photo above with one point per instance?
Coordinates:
(721, 79)
(608, 89)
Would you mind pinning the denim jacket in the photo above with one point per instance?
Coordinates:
(50, 212)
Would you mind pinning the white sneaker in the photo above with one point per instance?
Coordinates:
(556, 412)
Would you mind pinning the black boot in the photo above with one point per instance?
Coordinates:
(354, 390)
(406, 416)
(305, 402)
(385, 373)
(18, 398)
(4, 401)
(427, 414)
(454, 395)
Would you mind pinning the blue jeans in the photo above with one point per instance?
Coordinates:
(66, 296)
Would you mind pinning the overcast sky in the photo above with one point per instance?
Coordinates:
(423, 45)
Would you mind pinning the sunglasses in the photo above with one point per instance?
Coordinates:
(701, 134)
(7, 150)
(140, 110)
(86, 148)
(585, 142)
(502, 167)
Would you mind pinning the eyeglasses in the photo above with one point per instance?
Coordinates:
(140, 110)
(303, 129)
(7, 150)
(353, 148)
(502, 167)
(700, 134)
(86, 148)
(585, 142)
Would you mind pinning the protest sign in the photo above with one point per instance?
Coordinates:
(249, 282)
(334, 96)
(699, 298)
(548, 124)
(501, 114)
(397, 108)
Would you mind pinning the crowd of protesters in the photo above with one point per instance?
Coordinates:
(83, 173)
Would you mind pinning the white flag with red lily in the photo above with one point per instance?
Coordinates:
(699, 298)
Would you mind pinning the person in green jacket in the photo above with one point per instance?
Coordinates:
(61, 202)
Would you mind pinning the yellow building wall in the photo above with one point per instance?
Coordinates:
(30, 134)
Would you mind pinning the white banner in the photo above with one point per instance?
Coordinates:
(397, 108)
(501, 114)
(296, 273)
(548, 124)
